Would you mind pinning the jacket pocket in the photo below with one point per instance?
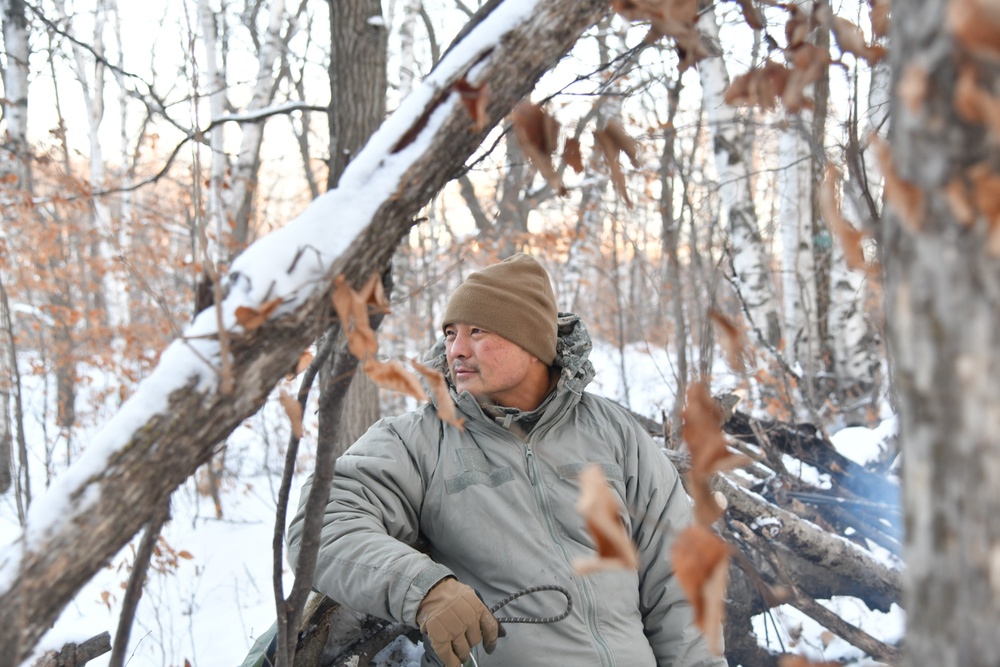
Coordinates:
(476, 470)
(612, 471)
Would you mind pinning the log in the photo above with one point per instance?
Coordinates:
(825, 549)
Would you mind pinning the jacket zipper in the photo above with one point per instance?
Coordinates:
(543, 505)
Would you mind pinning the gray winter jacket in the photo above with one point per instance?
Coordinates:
(499, 513)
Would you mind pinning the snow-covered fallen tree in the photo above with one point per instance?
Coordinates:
(276, 300)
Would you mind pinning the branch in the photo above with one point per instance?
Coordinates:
(76, 654)
(136, 580)
(169, 426)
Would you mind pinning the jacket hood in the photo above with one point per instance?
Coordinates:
(573, 348)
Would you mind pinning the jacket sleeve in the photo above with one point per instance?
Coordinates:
(662, 511)
(370, 520)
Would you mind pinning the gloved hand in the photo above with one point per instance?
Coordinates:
(454, 619)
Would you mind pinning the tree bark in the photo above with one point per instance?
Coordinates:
(942, 279)
(750, 265)
(183, 417)
(357, 107)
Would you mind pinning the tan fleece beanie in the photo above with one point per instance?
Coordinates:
(513, 299)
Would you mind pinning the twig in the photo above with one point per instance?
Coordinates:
(133, 591)
(284, 490)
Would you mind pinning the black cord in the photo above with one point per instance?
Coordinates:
(528, 619)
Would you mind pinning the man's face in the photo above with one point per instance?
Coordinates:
(489, 367)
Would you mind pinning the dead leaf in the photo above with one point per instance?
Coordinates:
(809, 62)
(572, 155)
(905, 197)
(850, 238)
(252, 319)
(751, 15)
(352, 311)
(912, 87)
(373, 295)
(186, 555)
(669, 18)
(880, 17)
(850, 39)
(439, 387)
(611, 151)
(702, 431)
(733, 341)
(798, 26)
(391, 375)
(985, 185)
(760, 86)
(701, 564)
(976, 26)
(294, 411)
(974, 103)
(537, 134)
(600, 508)
(475, 99)
(302, 364)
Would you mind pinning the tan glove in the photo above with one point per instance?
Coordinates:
(455, 619)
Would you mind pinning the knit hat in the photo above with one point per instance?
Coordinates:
(512, 299)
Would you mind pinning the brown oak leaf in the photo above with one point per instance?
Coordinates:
(352, 310)
(976, 26)
(439, 387)
(537, 134)
(850, 39)
(701, 564)
(572, 154)
(475, 99)
(393, 376)
(600, 510)
(294, 411)
(733, 341)
(252, 319)
(702, 431)
(880, 17)
(850, 238)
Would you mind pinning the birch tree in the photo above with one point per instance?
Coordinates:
(942, 276)
(15, 177)
(749, 260)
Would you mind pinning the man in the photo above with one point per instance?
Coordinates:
(496, 501)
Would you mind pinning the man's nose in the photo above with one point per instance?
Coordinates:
(460, 347)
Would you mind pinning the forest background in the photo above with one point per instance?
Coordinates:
(713, 183)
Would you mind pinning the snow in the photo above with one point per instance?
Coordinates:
(863, 445)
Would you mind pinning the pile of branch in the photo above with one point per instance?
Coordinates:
(797, 543)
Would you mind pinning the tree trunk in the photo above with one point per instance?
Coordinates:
(750, 265)
(239, 197)
(357, 107)
(357, 79)
(168, 427)
(942, 278)
(14, 162)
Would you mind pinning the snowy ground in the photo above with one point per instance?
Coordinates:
(210, 594)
